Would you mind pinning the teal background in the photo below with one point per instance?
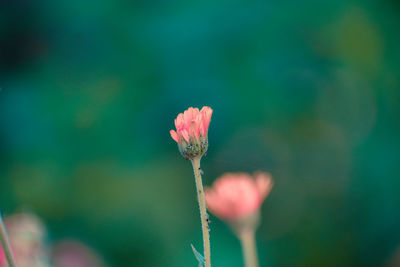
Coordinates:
(307, 90)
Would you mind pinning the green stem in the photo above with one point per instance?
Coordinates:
(249, 248)
(203, 211)
(6, 244)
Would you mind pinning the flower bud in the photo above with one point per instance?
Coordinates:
(192, 132)
(237, 198)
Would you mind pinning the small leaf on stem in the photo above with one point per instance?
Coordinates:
(198, 256)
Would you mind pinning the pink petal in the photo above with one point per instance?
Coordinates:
(264, 183)
(179, 121)
(195, 112)
(207, 113)
(202, 131)
(185, 135)
(188, 115)
(194, 130)
(174, 135)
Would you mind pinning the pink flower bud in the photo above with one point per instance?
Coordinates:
(73, 253)
(237, 195)
(192, 131)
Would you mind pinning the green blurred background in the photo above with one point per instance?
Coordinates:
(307, 90)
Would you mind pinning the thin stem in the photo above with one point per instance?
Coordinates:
(249, 248)
(6, 244)
(203, 211)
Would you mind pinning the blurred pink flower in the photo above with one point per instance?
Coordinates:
(73, 253)
(236, 195)
(27, 235)
(191, 131)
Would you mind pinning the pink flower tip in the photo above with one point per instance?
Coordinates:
(236, 195)
(191, 132)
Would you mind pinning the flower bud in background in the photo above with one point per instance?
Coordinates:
(237, 197)
(27, 237)
(192, 131)
(73, 253)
